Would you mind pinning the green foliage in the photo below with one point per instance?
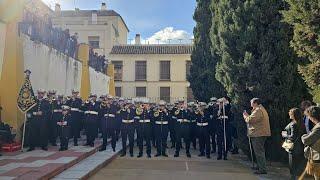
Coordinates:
(304, 17)
(256, 61)
(202, 73)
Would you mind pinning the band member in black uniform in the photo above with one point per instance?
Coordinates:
(144, 128)
(161, 127)
(172, 124)
(193, 127)
(108, 110)
(64, 128)
(38, 117)
(75, 104)
(202, 118)
(52, 123)
(127, 115)
(223, 128)
(213, 109)
(91, 111)
(56, 107)
(182, 128)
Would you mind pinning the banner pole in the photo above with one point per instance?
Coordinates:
(24, 131)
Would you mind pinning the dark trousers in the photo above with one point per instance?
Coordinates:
(52, 130)
(204, 140)
(75, 126)
(297, 163)
(127, 132)
(63, 133)
(172, 136)
(161, 132)
(144, 132)
(91, 129)
(38, 132)
(222, 151)
(193, 135)
(183, 131)
(213, 141)
(108, 131)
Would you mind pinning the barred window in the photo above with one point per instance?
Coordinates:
(141, 70)
(141, 91)
(118, 66)
(165, 94)
(164, 70)
(188, 66)
(190, 96)
(118, 91)
(94, 41)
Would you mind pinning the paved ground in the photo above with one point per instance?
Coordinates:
(170, 168)
(40, 164)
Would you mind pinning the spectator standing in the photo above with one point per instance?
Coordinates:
(307, 123)
(312, 143)
(292, 134)
(258, 131)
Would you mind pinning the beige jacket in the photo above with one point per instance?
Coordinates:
(258, 123)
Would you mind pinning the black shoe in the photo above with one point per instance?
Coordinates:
(208, 157)
(157, 155)
(165, 155)
(213, 152)
(123, 154)
(44, 148)
(114, 149)
(76, 144)
(149, 156)
(91, 145)
(54, 144)
(225, 158)
(30, 149)
(201, 155)
(235, 152)
(173, 146)
(188, 155)
(176, 155)
(102, 149)
(255, 168)
(140, 155)
(131, 154)
(219, 158)
(260, 172)
(61, 149)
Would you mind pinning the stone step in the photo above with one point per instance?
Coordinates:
(90, 165)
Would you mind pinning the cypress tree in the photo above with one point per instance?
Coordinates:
(304, 17)
(256, 61)
(202, 72)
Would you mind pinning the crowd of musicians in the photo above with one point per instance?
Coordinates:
(205, 126)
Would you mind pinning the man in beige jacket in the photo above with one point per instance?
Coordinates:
(258, 131)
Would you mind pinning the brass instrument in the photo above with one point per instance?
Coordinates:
(156, 113)
(139, 110)
(177, 112)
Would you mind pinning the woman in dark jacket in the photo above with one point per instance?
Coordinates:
(293, 132)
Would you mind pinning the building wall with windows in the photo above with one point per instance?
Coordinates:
(102, 28)
(150, 71)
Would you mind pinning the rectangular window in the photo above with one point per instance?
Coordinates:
(188, 66)
(118, 91)
(94, 41)
(165, 94)
(141, 92)
(164, 70)
(118, 67)
(190, 96)
(141, 70)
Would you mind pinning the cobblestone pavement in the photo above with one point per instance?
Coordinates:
(160, 168)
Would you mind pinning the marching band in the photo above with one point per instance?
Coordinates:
(66, 117)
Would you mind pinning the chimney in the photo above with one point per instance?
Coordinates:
(57, 8)
(138, 39)
(103, 6)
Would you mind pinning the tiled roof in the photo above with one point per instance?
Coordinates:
(152, 49)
